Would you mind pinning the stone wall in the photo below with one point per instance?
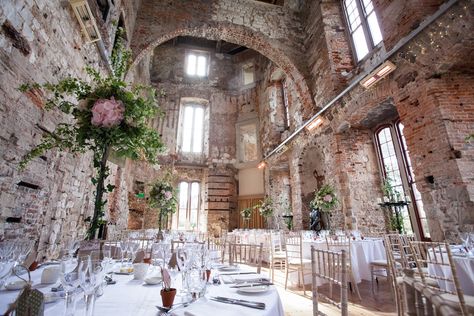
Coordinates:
(41, 41)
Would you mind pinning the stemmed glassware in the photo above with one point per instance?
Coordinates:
(6, 260)
(90, 275)
(69, 278)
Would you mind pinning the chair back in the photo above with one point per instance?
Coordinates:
(248, 254)
(436, 256)
(331, 266)
(294, 248)
(420, 299)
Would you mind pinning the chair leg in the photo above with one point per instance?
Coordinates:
(372, 279)
(302, 279)
(286, 277)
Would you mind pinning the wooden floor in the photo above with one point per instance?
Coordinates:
(296, 304)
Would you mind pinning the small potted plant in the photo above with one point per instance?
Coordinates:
(246, 214)
(167, 293)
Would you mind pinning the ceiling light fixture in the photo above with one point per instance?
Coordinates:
(379, 73)
(262, 164)
(86, 20)
(315, 123)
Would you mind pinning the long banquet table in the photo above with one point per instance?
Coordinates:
(133, 297)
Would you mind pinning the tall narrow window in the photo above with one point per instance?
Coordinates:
(363, 26)
(187, 216)
(284, 92)
(248, 74)
(396, 166)
(197, 64)
(192, 134)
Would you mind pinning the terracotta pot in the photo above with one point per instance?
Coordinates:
(147, 260)
(208, 274)
(33, 266)
(167, 297)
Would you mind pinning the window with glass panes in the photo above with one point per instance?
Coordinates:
(284, 92)
(197, 63)
(192, 128)
(396, 168)
(187, 216)
(363, 26)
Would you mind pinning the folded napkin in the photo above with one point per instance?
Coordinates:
(207, 307)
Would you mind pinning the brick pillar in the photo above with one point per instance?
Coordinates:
(438, 114)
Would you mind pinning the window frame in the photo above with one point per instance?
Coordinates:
(286, 104)
(242, 69)
(181, 134)
(365, 28)
(198, 53)
(175, 218)
(407, 184)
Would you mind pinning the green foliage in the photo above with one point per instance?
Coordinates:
(469, 138)
(265, 207)
(163, 197)
(131, 137)
(246, 212)
(325, 199)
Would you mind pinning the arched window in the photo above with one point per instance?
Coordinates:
(396, 169)
(187, 217)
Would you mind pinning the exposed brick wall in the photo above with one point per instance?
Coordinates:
(54, 195)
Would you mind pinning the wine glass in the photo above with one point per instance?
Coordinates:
(6, 262)
(90, 277)
(69, 279)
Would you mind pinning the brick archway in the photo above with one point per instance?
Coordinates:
(144, 42)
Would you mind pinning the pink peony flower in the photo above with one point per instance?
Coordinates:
(107, 112)
(327, 198)
(168, 195)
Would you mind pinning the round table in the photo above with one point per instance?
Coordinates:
(362, 253)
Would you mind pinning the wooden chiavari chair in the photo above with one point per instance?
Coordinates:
(437, 255)
(247, 254)
(277, 252)
(332, 267)
(294, 259)
(338, 243)
(421, 300)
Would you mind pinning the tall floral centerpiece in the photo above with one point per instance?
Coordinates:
(105, 116)
(163, 197)
(265, 208)
(324, 201)
(246, 214)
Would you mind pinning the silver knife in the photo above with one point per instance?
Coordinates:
(237, 302)
(250, 285)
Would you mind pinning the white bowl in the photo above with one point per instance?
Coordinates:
(153, 280)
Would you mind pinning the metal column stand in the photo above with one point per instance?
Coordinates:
(395, 208)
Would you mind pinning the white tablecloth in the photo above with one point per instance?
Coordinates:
(132, 297)
(464, 270)
(362, 253)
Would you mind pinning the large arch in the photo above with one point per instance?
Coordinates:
(145, 39)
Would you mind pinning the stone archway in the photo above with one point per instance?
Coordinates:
(158, 24)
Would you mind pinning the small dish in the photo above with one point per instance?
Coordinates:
(15, 285)
(253, 289)
(229, 268)
(53, 297)
(153, 280)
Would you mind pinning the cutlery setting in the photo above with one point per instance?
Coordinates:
(250, 285)
(251, 304)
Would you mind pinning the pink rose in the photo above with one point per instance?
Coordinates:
(107, 112)
(327, 198)
(168, 195)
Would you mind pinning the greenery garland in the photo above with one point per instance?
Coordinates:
(325, 199)
(108, 117)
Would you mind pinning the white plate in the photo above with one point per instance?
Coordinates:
(253, 289)
(229, 268)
